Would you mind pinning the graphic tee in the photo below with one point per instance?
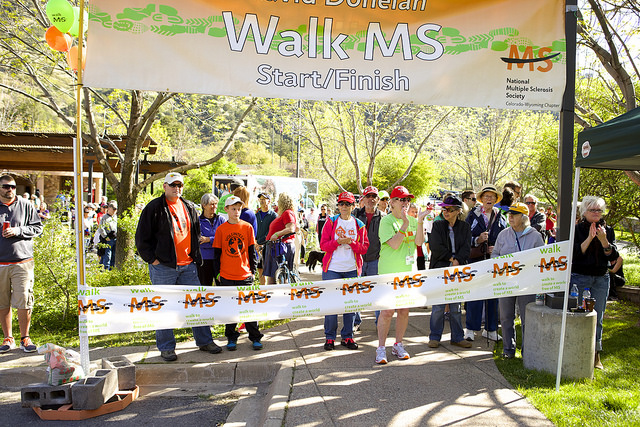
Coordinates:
(181, 231)
(401, 259)
(234, 241)
(343, 258)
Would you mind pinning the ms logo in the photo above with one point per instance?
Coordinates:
(542, 58)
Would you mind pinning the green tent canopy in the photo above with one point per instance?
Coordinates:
(614, 144)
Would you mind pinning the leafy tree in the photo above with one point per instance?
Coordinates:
(199, 181)
(41, 75)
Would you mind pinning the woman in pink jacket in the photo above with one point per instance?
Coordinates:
(344, 241)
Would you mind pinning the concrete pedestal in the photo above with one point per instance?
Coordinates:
(542, 341)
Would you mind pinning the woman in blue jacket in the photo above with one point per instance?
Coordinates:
(209, 223)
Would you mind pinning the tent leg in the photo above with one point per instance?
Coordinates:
(565, 303)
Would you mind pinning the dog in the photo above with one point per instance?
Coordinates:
(314, 258)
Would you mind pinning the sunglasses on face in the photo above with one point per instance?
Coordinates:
(8, 186)
(473, 199)
(404, 199)
(175, 184)
(344, 204)
(371, 196)
(451, 210)
(529, 203)
(594, 210)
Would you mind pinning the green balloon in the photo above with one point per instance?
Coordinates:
(60, 13)
(76, 22)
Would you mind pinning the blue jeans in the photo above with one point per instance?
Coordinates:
(369, 268)
(108, 260)
(436, 323)
(331, 320)
(474, 315)
(181, 275)
(599, 287)
(507, 320)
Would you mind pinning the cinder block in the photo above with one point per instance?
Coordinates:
(125, 369)
(39, 395)
(92, 392)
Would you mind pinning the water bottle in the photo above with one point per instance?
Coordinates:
(574, 293)
(585, 294)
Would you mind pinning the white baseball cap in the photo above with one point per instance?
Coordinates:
(232, 200)
(173, 177)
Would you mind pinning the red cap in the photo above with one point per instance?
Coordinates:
(346, 197)
(401, 192)
(370, 190)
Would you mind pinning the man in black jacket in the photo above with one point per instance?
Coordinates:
(538, 219)
(167, 239)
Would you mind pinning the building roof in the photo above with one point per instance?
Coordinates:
(46, 151)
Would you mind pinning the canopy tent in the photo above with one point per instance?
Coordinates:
(611, 145)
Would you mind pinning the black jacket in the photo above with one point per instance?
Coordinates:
(154, 235)
(593, 262)
(440, 243)
(373, 253)
(539, 222)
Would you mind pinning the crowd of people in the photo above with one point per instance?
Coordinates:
(231, 244)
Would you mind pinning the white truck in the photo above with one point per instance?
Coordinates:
(299, 189)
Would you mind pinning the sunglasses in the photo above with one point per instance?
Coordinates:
(371, 196)
(451, 210)
(344, 204)
(404, 199)
(8, 186)
(529, 203)
(595, 210)
(175, 184)
(473, 199)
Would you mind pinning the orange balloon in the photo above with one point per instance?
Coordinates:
(58, 41)
(72, 57)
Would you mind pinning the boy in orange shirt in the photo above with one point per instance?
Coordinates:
(234, 262)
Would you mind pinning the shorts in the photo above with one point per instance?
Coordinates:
(16, 285)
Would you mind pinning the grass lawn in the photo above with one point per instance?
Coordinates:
(612, 398)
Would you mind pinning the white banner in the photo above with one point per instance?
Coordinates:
(134, 308)
(489, 53)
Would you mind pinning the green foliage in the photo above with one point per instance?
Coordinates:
(611, 399)
(199, 181)
(631, 268)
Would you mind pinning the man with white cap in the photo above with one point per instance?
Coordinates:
(167, 239)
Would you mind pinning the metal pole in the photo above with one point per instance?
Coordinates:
(565, 303)
(90, 183)
(77, 167)
(565, 149)
(298, 148)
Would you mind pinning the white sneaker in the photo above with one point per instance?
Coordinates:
(381, 355)
(398, 350)
(493, 336)
(469, 335)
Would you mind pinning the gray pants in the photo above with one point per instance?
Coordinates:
(507, 320)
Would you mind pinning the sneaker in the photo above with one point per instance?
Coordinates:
(257, 345)
(8, 344)
(212, 348)
(329, 345)
(169, 355)
(469, 335)
(231, 345)
(398, 350)
(433, 344)
(463, 343)
(493, 335)
(27, 345)
(349, 343)
(381, 355)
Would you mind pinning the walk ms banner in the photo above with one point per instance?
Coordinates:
(133, 308)
(489, 53)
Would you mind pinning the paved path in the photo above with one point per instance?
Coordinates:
(294, 382)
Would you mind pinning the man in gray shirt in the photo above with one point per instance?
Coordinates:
(20, 224)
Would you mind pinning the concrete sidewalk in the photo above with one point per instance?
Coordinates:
(443, 386)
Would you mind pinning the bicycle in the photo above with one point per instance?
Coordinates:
(283, 274)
